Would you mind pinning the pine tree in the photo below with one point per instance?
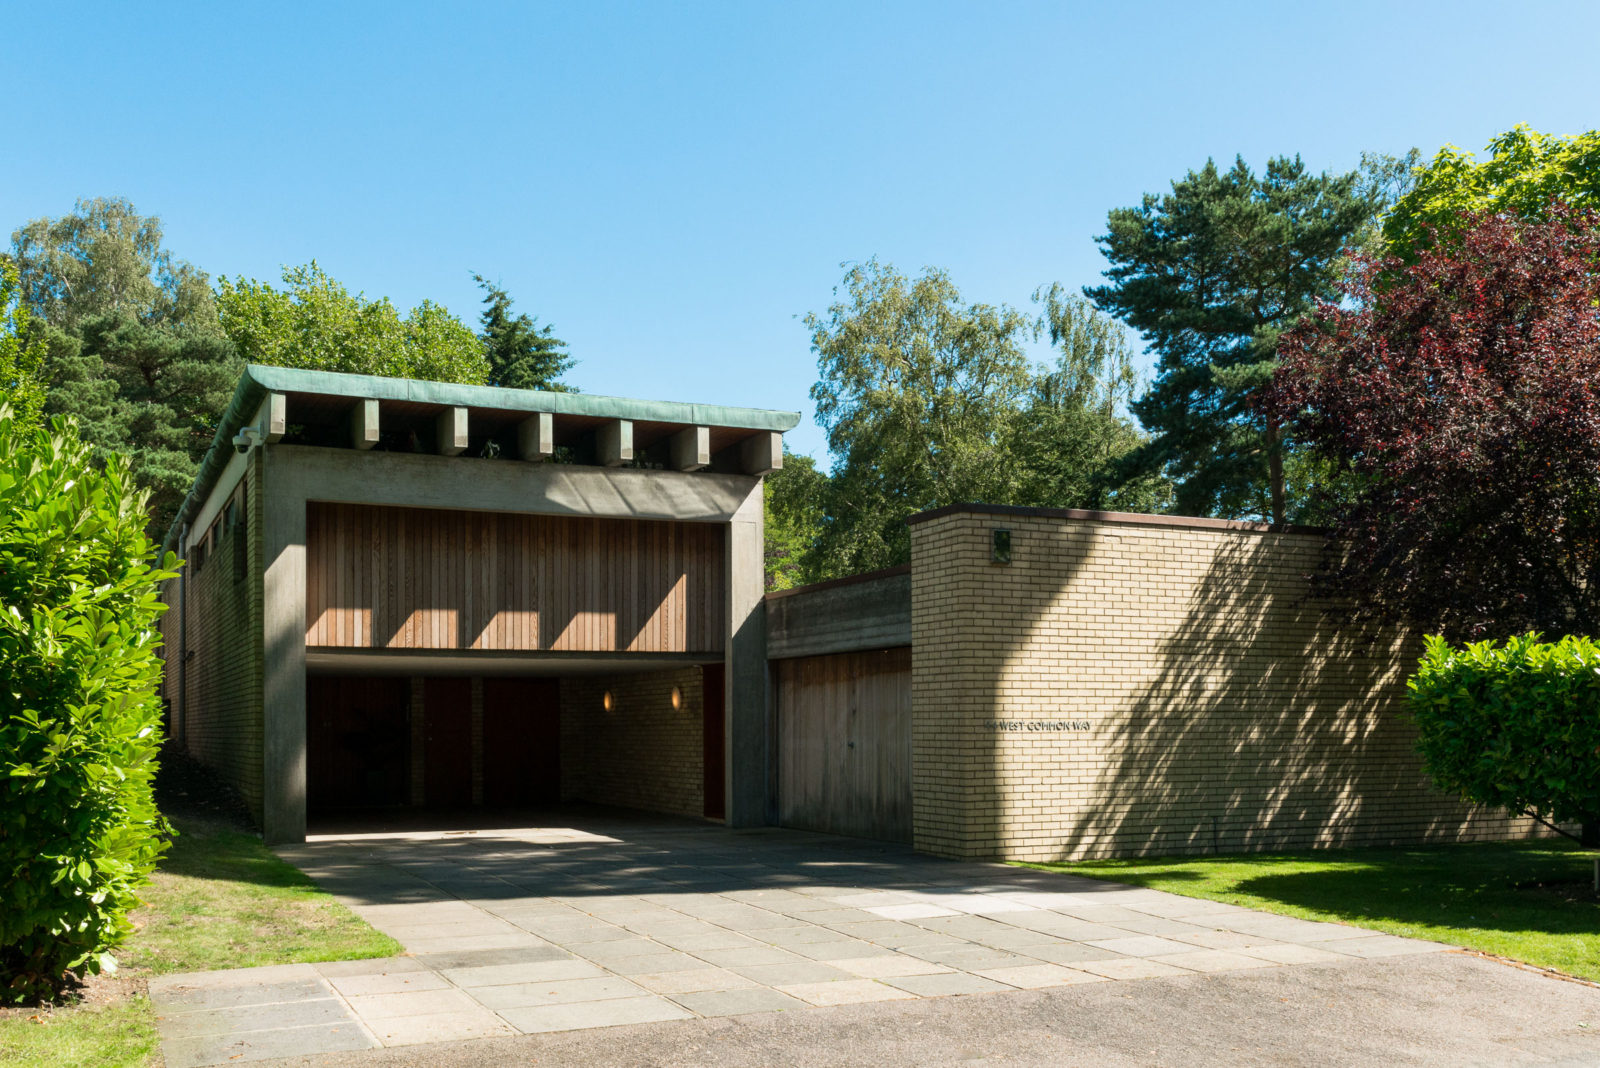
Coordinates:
(521, 353)
(1211, 274)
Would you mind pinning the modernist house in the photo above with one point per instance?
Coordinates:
(407, 594)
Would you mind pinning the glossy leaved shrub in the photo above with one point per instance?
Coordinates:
(1514, 724)
(80, 716)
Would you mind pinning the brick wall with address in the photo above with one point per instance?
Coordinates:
(220, 722)
(643, 753)
(1128, 687)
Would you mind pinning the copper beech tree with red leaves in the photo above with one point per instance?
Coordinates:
(1456, 396)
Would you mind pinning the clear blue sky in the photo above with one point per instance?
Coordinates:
(673, 185)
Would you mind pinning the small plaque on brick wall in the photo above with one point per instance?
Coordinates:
(1045, 725)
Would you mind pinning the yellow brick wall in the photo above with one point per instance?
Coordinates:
(224, 674)
(1127, 688)
(643, 753)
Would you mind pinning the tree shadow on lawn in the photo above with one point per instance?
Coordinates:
(1527, 887)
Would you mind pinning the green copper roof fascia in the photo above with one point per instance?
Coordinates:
(247, 398)
(258, 380)
(287, 380)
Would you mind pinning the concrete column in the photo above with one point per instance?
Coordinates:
(691, 448)
(536, 436)
(613, 442)
(364, 424)
(450, 431)
(746, 669)
(761, 453)
(283, 609)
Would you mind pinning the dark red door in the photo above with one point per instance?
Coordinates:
(521, 742)
(447, 752)
(714, 743)
(358, 742)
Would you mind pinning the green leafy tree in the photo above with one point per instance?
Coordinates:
(21, 350)
(1073, 428)
(314, 322)
(1514, 726)
(1526, 172)
(1211, 273)
(104, 258)
(80, 719)
(796, 496)
(132, 349)
(917, 392)
(521, 353)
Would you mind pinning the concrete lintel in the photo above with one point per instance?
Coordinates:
(364, 424)
(450, 431)
(691, 448)
(614, 442)
(536, 436)
(761, 453)
(274, 418)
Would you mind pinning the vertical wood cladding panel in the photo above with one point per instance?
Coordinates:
(844, 743)
(397, 578)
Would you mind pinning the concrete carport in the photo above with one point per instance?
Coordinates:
(399, 588)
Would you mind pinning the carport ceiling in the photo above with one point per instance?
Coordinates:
(545, 665)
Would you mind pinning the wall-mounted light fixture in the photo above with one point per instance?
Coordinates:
(677, 699)
(1000, 546)
(608, 701)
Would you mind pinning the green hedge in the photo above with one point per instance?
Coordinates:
(1515, 725)
(80, 716)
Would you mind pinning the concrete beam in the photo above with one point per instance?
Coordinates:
(761, 453)
(450, 431)
(614, 442)
(691, 448)
(274, 418)
(364, 424)
(536, 436)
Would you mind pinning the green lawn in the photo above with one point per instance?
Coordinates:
(1529, 901)
(220, 900)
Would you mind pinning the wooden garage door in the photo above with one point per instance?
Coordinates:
(358, 742)
(844, 736)
(521, 742)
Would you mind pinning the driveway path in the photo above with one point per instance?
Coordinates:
(637, 920)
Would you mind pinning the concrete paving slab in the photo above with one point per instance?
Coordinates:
(1067, 952)
(737, 1002)
(389, 983)
(532, 972)
(946, 984)
(1130, 968)
(1036, 976)
(545, 1018)
(1379, 946)
(176, 999)
(1213, 960)
(483, 958)
(202, 1022)
(241, 1048)
(694, 980)
(776, 975)
(372, 966)
(559, 992)
(1291, 953)
(443, 999)
(889, 965)
(440, 1027)
(1141, 946)
(845, 992)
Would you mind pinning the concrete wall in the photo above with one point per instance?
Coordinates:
(219, 719)
(643, 753)
(847, 615)
(1154, 686)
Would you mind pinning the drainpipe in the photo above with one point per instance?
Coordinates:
(183, 640)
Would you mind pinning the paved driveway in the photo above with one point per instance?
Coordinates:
(629, 920)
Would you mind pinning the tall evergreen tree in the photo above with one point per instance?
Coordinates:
(1211, 274)
(521, 353)
(133, 347)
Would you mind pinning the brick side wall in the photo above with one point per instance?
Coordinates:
(222, 716)
(1122, 689)
(643, 753)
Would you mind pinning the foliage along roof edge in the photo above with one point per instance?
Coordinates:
(258, 380)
